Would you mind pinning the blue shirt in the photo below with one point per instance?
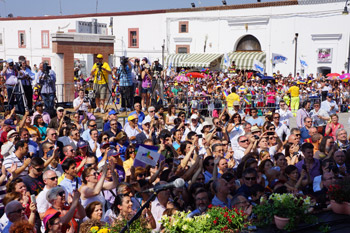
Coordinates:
(258, 121)
(33, 148)
(141, 117)
(69, 185)
(7, 228)
(217, 202)
(26, 82)
(86, 135)
(125, 78)
(107, 126)
(304, 134)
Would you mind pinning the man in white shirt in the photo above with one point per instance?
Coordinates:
(131, 129)
(50, 179)
(284, 112)
(159, 205)
(281, 129)
(329, 105)
(195, 125)
(243, 143)
(81, 103)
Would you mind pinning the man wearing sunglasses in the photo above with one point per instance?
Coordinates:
(249, 178)
(33, 180)
(16, 212)
(243, 144)
(50, 180)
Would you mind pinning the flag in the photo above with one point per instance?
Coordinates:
(225, 93)
(278, 58)
(169, 68)
(258, 66)
(147, 154)
(301, 82)
(246, 100)
(252, 92)
(226, 61)
(226, 80)
(303, 63)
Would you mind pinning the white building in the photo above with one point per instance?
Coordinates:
(265, 28)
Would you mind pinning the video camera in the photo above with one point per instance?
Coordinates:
(15, 65)
(46, 69)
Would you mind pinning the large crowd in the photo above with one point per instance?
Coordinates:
(60, 172)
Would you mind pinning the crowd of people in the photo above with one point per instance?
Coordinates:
(60, 172)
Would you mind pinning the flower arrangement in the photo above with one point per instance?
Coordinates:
(138, 226)
(96, 229)
(216, 219)
(340, 192)
(283, 205)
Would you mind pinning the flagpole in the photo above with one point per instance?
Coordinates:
(295, 53)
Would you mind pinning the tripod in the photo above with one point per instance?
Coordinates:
(18, 91)
(100, 74)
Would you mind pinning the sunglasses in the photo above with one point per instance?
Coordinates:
(61, 194)
(72, 150)
(105, 139)
(132, 151)
(93, 125)
(298, 135)
(53, 178)
(250, 178)
(94, 174)
(276, 118)
(89, 165)
(244, 141)
(39, 169)
(141, 175)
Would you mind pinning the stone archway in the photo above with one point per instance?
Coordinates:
(248, 43)
(65, 45)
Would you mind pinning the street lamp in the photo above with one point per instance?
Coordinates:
(345, 11)
(295, 52)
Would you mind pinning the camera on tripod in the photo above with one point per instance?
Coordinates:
(124, 61)
(15, 65)
(99, 65)
(46, 69)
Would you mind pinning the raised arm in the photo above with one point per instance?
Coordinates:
(90, 192)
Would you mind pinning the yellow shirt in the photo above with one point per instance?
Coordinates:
(101, 79)
(294, 91)
(232, 98)
(128, 163)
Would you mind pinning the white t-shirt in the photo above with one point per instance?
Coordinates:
(84, 107)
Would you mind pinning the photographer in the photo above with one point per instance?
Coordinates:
(157, 82)
(125, 83)
(10, 73)
(47, 80)
(27, 77)
(100, 71)
(81, 104)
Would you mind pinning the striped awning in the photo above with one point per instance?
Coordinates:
(201, 59)
(175, 59)
(245, 60)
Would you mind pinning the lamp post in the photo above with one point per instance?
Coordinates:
(295, 53)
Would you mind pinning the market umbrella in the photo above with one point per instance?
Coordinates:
(333, 78)
(333, 75)
(267, 78)
(194, 75)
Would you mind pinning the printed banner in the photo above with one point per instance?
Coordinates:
(258, 66)
(148, 155)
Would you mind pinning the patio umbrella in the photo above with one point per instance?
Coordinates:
(194, 75)
(333, 75)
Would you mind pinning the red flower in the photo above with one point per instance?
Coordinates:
(217, 218)
(225, 228)
(210, 206)
(229, 220)
(214, 221)
(225, 215)
(222, 229)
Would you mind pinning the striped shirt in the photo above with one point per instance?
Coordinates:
(13, 159)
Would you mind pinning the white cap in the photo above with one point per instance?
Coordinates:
(194, 116)
(146, 120)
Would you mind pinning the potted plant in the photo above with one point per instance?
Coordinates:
(285, 210)
(339, 194)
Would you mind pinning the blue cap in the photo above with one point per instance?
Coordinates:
(10, 123)
(112, 152)
(330, 95)
(112, 112)
(82, 144)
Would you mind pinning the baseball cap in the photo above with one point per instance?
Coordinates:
(105, 144)
(39, 103)
(10, 123)
(60, 109)
(146, 120)
(11, 133)
(9, 60)
(99, 56)
(330, 95)
(82, 144)
(236, 103)
(50, 216)
(194, 116)
(112, 112)
(131, 117)
(112, 152)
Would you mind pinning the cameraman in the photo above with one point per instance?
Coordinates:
(46, 78)
(125, 83)
(82, 104)
(10, 73)
(27, 77)
(157, 83)
(100, 71)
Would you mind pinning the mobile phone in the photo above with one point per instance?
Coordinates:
(33, 199)
(76, 184)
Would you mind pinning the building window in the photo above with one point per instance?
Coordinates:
(21, 39)
(45, 39)
(46, 60)
(248, 43)
(133, 37)
(183, 27)
(182, 49)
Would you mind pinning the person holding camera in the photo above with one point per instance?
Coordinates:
(46, 78)
(126, 84)
(81, 104)
(157, 82)
(100, 71)
(10, 73)
(27, 77)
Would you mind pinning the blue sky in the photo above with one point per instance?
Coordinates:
(51, 7)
